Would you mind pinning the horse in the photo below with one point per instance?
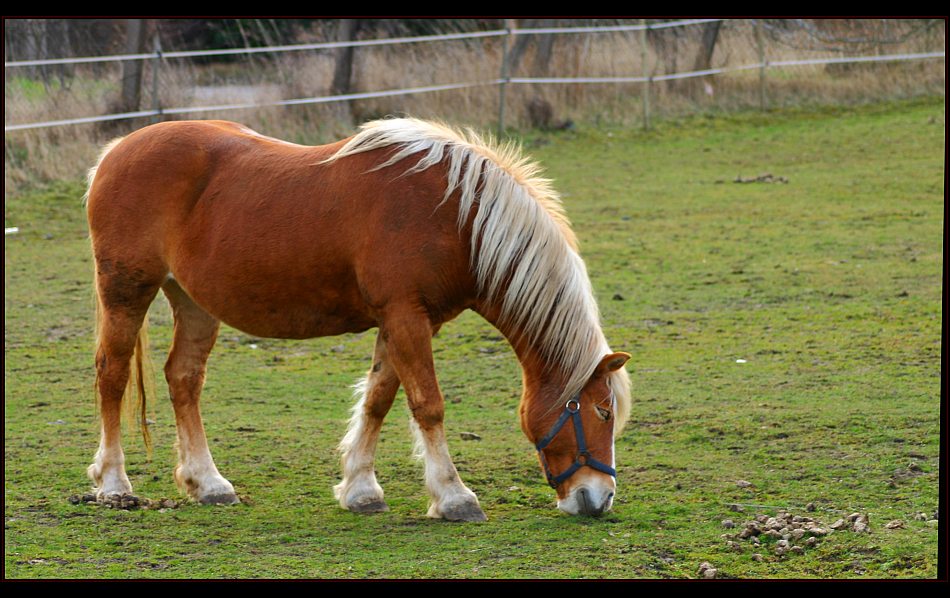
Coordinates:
(400, 227)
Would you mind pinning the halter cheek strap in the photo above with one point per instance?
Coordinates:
(572, 411)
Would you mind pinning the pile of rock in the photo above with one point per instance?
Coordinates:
(126, 502)
(790, 533)
(856, 522)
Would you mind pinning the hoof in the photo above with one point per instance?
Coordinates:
(464, 512)
(369, 505)
(220, 499)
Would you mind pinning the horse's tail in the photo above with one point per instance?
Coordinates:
(141, 382)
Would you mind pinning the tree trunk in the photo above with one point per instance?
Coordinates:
(704, 57)
(343, 73)
(707, 46)
(135, 30)
(542, 58)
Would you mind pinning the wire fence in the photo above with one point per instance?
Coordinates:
(313, 84)
(647, 77)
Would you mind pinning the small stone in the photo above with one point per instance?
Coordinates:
(780, 551)
(470, 436)
(755, 540)
(728, 523)
(736, 508)
(743, 484)
(762, 518)
(839, 524)
(758, 557)
(921, 517)
(782, 543)
(811, 542)
(168, 503)
(853, 516)
(734, 546)
(914, 466)
(810, 507)
(773, 523)
(74, 499)
(933, 523)
(617, 297)
(773, 534)
(703, 566)
(860, 527)
(710, 573)
(797, 534)
(785, 531)
(797, 549)
(338, 348)
(896, 524)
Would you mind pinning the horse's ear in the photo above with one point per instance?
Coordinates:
(611, 363)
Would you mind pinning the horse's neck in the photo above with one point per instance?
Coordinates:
(542, 380)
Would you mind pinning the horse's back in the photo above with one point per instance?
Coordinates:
(265, 237)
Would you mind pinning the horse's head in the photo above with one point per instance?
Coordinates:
(575, 440)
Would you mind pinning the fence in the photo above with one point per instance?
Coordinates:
(646, 77)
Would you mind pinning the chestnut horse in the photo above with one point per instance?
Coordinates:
(401, 227)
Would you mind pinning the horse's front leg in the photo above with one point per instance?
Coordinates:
(408, 338)
(359, 491)
(194, 337)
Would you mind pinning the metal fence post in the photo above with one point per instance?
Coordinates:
(509, 25)
(646, 74)
(760, 42)
(156, 65)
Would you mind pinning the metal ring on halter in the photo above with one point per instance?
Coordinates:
(577, 405)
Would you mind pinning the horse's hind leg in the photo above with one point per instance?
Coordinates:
(124, 298)
(359, 491)
(194, 337)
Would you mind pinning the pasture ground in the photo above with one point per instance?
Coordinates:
(783, 334)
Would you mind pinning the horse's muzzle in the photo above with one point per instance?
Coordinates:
(587, 500)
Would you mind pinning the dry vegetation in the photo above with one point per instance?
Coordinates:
(64, 152)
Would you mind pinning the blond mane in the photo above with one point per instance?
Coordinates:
(525, 241)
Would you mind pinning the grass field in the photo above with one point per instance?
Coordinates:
(786, 351)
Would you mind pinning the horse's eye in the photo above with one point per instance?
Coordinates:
(604, 414)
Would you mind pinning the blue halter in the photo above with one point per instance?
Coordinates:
(583, 456)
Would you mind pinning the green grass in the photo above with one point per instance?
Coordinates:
(829, 287)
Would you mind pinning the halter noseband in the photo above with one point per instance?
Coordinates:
(583, 456)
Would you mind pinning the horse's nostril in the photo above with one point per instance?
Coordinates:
(584, 500)
(586, 505)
